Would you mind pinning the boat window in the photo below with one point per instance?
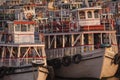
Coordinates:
(105, 38)
(89, 13)
(11, 27)
(23, 28)
(79, 5)
(51, 14)
(28, 8)
(29, 28)
(74, 16)
(17, 28)
(82, 15)
(32, 8)
(96, 14)
(86, 39)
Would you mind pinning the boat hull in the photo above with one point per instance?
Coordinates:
(97, 65)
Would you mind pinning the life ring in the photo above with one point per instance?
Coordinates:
(56, 63)
(29, 15)
(66, 61)
(77, 58)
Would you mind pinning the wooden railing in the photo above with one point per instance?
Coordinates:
(13, 62)
(61, 52)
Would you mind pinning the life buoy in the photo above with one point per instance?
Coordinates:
(77, 58)
(29, 15)
(56, 63)
(66, 61)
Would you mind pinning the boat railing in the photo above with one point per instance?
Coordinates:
(68, 51)
(77, 29)
(13, 62)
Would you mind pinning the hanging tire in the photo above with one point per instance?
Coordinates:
(11, 70)
(56, 63)
(66, 61)
(3, 71)
(116, 59)
(77, 58)
(49, 62)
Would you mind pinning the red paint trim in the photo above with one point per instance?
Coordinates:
(24, 22)
(12, 58)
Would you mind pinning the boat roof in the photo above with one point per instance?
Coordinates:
(82, 32)
(87, 8)
(23, 44)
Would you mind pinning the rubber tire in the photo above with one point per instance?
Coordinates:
(77, 58)
(66, 61)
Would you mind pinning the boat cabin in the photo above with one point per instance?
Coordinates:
(19, 32)
(87, 16)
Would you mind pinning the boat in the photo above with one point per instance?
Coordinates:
(21, 56)
(80, 40)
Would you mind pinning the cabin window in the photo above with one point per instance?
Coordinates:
(89, 13)
(51, 14)
(17, 28)
(82, 15)
(23, 28)
(28, 8)
(96, 14)
(105, 38)
(11, 27)
(29, 28)
(79, 5)
(32, 8)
